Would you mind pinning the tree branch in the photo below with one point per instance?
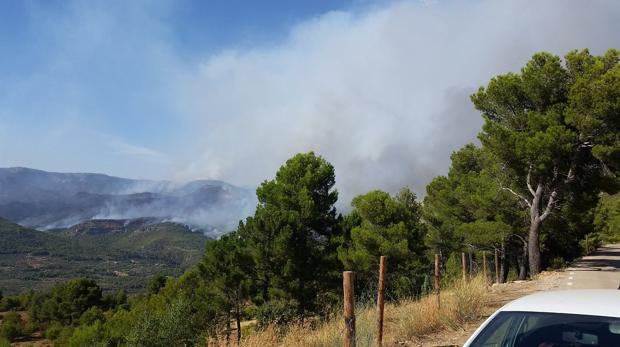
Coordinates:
(570, 176)
(520, 238)
(529, 184)
(549, 207)
(517, 195)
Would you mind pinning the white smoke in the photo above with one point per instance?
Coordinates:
(381, 91)
(383, 94)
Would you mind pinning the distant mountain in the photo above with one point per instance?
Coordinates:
(119, 254)
(50, 200)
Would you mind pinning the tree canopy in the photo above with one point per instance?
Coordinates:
(554, 126)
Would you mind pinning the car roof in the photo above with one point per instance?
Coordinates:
(593, 302)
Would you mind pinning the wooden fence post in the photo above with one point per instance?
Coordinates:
(380, 302)
(349, 309)
(437, 281)
(471, 265)
(464, 266)
(496, 266)
(484, 267)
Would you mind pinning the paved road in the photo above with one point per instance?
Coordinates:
(601, 270)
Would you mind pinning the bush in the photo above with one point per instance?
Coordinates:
(91, 315)
(453, 271)
(63, 336)
(12, 326)
(557, 263)
(173, 326)
(4, 342)
(277, 312)
(88, 336)
(594, 242)
(53, 331)
(10, 303)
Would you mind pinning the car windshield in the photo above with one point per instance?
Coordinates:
(533, 329)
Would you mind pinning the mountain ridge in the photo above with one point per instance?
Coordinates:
(48, 200)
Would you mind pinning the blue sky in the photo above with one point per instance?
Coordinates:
(85, 82)
(230, 89)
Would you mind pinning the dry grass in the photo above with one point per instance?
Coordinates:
(403, 321)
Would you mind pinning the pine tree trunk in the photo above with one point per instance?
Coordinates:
(534, 233)
(503, 270)
(238, 318)
(228, 328)
(523, 263)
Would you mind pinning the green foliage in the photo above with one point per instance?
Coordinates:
(453, 268)
(468, 206)
(296, 220)
(389, 226)
(66, 302)
(467, 210)
(227, 266)
(279, 312)
(607, 218)
(172, 326)
(590, 243)
(91, 316)
(88, 335)
(156, 283)
(10, 303)
(118, 260)
(12, 326)
(64, 335)
(557, 263)
(117, 300)
(555, 125)
(53, 331)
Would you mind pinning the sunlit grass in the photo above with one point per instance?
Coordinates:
(405, 320)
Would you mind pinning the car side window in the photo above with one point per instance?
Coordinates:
(500, 332)
(537, 329)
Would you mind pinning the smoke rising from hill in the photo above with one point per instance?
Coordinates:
(381, 93)
(381, 90)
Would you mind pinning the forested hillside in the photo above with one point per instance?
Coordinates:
(542, 180)
(117, 256)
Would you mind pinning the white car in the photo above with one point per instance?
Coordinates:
(569, 318)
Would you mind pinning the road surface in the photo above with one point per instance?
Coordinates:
(600, 270)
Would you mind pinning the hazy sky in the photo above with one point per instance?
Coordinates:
(231, 89)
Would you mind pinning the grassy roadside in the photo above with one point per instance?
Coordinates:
(459, 305)
(411, 323)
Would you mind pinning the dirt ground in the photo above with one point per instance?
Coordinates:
(33, 341)
(499, 295)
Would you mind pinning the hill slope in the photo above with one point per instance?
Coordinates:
(118, 254)
(47, 200)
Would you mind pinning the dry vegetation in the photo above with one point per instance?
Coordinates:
(404, 321)
(413, 322)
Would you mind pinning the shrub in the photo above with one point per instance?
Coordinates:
(53, 331)
(277, 312)
(63, 336)
(91, 315)
(557, 263)
(10, 303)
(88, 336)
(12, 326)
(594, 241)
